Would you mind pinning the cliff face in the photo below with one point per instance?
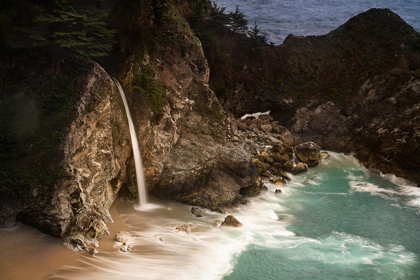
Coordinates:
(91, 160)
(352, 90)
(65, 147)
(189, 152)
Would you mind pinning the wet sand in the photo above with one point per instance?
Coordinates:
(26, 253)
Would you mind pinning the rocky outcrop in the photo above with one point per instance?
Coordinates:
(231, 221)
(308, 153)
(96, 152)
(272, 150)
(123, 237)
(190, 154)
(196, 212)
(188, 228)
(379, 124)
(354, 89)
(189, 151)
(324, 125)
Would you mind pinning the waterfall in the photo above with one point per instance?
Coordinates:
(141, 184)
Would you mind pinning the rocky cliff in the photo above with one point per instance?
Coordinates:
(88, 161)
(65, 148)
(352, 90)
(74, 141)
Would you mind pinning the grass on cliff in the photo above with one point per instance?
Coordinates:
(145, 84)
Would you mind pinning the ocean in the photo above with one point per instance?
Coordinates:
(279, 18)
(336, 221)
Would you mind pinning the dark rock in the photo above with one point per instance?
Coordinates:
(231, 221)
(299, 168)
(288, 165)
(265, 118)
(91, 251)
(125, 247)
(309, 153)
(277, 180)
(242, 126)
(196, 212)
(277, 191)
(266, 128)
(323, 124)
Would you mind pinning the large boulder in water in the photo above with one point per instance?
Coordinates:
(231, 221)
(309, 153)
(299, 168)
(196, 212)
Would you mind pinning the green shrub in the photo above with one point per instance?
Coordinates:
(152, 90)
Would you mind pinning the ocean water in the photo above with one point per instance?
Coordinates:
(279, 18)
(337, 221)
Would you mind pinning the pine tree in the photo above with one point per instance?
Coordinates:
(238, 22)
(58, 26)
(82, 32)
(255, 34)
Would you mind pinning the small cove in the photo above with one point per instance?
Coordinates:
(338, 220)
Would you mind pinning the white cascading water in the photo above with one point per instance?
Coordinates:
(141, 184)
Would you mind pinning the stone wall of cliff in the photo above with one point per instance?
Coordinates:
(190, 153)
(354, 89)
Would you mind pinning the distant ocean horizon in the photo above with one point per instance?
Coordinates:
(279, 18)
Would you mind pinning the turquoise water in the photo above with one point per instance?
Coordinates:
(349, 224)
(337, 221)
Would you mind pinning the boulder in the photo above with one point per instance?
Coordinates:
(287, 138)
(288, 165)
(231, 221)
(277, 191)
(125, 247)
(123, 237)
(188, 228)
(309, 153)
(91, 251)
(261, 165)
(280, 158)
(299, 168)
(196, 212)
(266, 127)
(242, 126)
(277, 180)
(265, 118)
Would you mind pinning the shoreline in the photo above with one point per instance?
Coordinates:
(27, 253)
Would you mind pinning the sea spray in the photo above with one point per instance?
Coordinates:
(319, 227)
(141, 184)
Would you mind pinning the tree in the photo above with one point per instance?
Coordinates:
(60, 26)
(238, 22)
(255, 34)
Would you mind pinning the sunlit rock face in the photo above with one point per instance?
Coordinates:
(189, 150)
(96, 152)
(189, 147)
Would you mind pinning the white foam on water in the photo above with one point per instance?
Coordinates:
(360, 186)
(149, 207)
(405, 188)
(211, 251)
(255, 115)
(161, 252)
(340, 160)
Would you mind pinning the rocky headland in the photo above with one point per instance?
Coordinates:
(65, 145)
